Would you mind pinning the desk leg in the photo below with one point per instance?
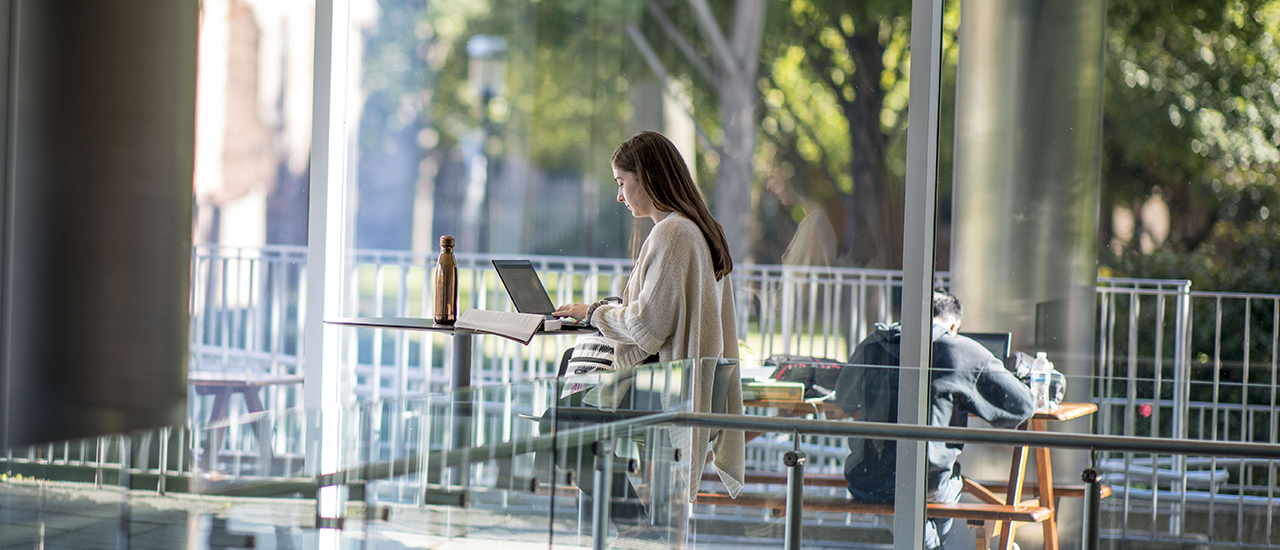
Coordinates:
(213, 440)
(461, 358)
(1017, 474)
(252, 402)
(462, 416)
(1044, 471)
(261, 428)
(982, 537)
(221, 402)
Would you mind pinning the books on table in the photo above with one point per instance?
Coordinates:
(771, 390)
(516, 326)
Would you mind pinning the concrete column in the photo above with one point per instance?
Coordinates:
(100, 140)
(1027, 171)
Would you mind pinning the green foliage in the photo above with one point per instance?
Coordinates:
(567, 76)
(1241, 257)
(1192, 106)
(394, 75)
(835, 111)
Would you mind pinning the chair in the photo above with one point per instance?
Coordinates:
(564, 363)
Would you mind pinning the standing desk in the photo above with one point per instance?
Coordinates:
(460, 337)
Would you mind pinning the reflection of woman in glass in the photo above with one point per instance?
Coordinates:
(678, 303)
(814, 244)
(815, 240)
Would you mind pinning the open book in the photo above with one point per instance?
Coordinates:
(516, 326)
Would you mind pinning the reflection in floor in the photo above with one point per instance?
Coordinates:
(55, 515)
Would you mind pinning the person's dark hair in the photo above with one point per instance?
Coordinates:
(946, 307)
(666, 179)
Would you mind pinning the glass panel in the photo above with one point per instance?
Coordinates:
(496, 123)
(645, 469)
(1177, 497)
(851, 482)
(147, 489)
(250, 191)
(1197, 498)
(818, 390)
(467, 469)
(1185, 230)
(408, 471)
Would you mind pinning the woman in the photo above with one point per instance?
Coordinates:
(678, 303)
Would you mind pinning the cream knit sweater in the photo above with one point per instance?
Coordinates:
(674, 306)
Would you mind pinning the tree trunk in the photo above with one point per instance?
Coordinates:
(1191, 221)
(738, 118)
(733, 179)
(875, 226)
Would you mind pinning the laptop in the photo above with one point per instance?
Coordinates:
(526, 290)
(995, 342)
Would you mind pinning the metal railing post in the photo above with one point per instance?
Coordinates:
(603, 481)
(1092, 504)
(125, 482)
(794, 461)
(1182, 360)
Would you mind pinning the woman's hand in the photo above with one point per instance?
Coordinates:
(575, 310)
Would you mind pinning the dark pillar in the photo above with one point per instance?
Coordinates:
(100, 140)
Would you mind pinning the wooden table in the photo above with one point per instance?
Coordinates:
(222, 385)
(1017, 469)
(1044, 472)
(791, 409)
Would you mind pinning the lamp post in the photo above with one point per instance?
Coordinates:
(487, 75)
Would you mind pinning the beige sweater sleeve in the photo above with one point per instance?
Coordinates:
(655, 296)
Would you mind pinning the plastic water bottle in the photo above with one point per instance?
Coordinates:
(1041, 371)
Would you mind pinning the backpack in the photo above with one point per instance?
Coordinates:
(818, 374)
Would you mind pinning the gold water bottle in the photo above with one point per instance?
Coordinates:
(446, 284)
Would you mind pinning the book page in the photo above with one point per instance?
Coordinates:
(516, 326)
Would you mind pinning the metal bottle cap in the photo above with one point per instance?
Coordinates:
(446, 241)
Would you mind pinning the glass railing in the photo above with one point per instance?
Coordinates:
(481, 465)
(528, 463)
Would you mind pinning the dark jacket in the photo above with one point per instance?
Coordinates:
(966, 379)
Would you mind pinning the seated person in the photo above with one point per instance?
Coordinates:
(965, 379)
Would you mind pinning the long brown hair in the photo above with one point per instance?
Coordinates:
(666, 179)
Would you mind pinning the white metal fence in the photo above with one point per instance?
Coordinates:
(1178, 363)
(246, 313)
(1171, 362)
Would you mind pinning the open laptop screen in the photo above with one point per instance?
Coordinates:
(995, 342)
(524, 287)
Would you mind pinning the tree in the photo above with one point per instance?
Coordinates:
(1192, 109)
(564, 108)
(837, 96)
(729, 63)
